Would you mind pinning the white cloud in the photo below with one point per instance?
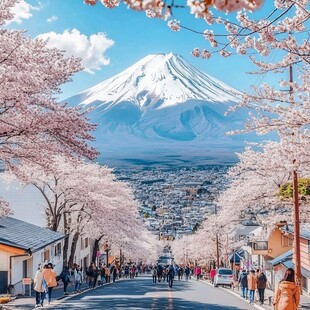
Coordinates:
(22, 10)
(52, 19)
(90, 49)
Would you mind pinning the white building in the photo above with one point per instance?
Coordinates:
(23, 246)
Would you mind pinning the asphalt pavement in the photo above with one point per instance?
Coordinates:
(141, 293)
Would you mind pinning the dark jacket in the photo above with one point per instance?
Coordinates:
(261, 281)
(243, 279)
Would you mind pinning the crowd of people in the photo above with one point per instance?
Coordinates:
(46, 278)
(169, 272)
(287, 295)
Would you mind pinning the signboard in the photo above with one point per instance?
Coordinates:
(27, 281)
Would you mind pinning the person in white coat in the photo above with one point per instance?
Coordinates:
(39, 287)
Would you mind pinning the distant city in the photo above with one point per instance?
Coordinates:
(175, 201)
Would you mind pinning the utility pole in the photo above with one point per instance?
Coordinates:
(296, 207)
(217, 251)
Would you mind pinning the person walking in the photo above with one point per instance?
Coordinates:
(212, 275)
(78, 277)
(261, 286)
(252, 285)
(187, 272)
(40, 287)
(65, 278)
(287, 295)
(154, 274)
(49, 275)
(170, 275)
(114, 274)
(197, 272)
(91, 274)
(243, 282)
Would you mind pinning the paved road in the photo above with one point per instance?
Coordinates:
(141, 293)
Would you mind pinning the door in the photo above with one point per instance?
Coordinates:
(3, 282)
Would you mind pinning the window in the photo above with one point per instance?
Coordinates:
(287, 241)
(86, 242)
(304, 283)
(58, 249)
(308, 246)
(261, 245)
(47, 255)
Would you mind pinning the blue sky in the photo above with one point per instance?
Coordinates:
(110, 40)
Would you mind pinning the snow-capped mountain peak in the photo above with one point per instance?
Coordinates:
(158, 81)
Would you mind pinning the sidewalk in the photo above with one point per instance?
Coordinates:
(28, 302)
(304, 299)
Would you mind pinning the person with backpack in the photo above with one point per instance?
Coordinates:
(65, 278)
(261, 286)
(287, 295)
(243, 282)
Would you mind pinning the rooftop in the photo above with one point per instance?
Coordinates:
(26, 236)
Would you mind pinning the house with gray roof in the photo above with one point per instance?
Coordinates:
(23, 246)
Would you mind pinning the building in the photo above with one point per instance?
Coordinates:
(286, 260)
(23, 246)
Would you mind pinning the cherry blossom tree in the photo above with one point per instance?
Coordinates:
(86, 199)
(163, 9)
(34, 126)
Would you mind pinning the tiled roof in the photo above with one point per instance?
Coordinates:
(304, 232)
(281, 258)
(26, 236)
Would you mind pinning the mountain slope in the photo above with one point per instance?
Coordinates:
(163, 99)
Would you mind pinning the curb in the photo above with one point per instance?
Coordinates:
(235, 294)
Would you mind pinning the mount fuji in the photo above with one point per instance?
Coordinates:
(162, 105)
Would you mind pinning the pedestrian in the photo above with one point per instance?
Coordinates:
(252, 285)
(197, 272)
(287, 295)
(154, 274)
(49, 275)
(170, 275)
(65, 278)
(90, 272)
(40, 287)
(261, 286)
(114, 274)
(96, 275)
(212, 275)
(78, 278)
(159, 272)
(243, 282)
(187, 272)
(107, 274)
(102, 274)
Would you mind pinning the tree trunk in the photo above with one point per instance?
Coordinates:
(66, 242)
(95, 250)
(73, 248)
(65, 251)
